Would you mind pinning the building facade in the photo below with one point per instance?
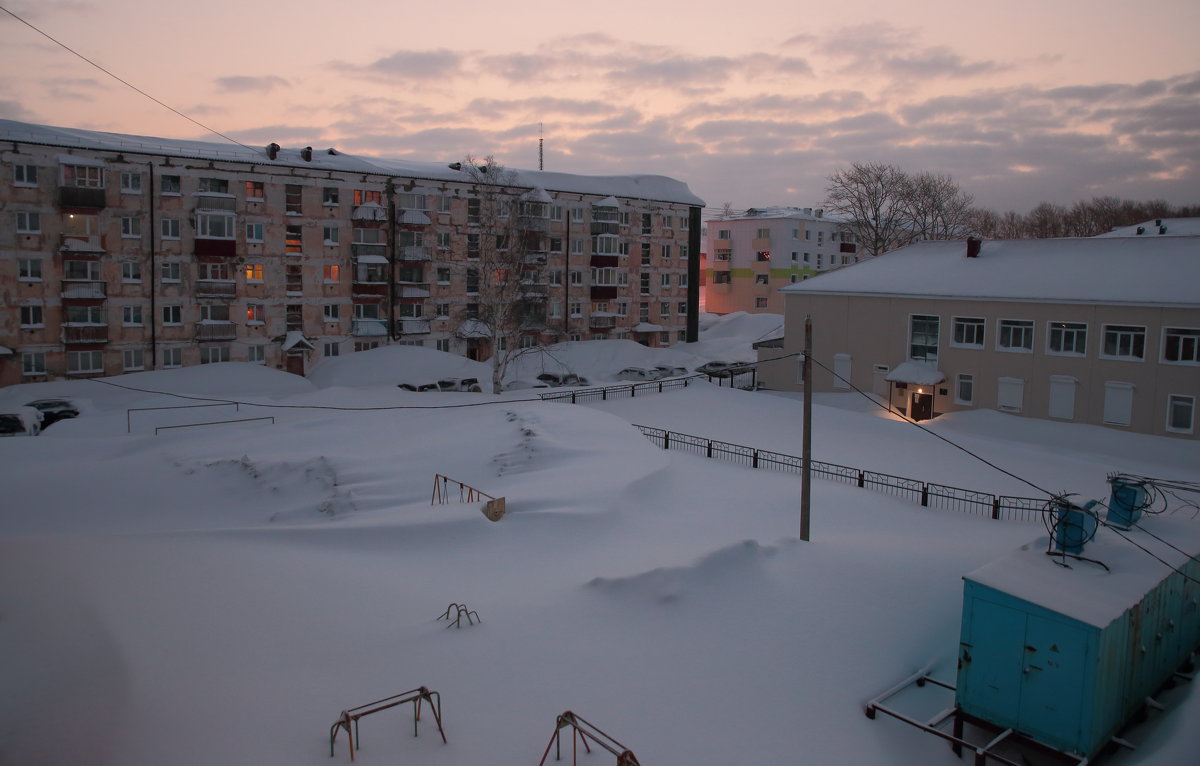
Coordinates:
(1104, 331)
(751, 257)
(127, 253)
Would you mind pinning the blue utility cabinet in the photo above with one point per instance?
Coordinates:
(1066, 655)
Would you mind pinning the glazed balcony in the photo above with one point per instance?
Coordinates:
(210, 330)
(84, 333)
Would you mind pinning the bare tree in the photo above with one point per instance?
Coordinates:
(873, 198)
(938, 208)
(505, 250)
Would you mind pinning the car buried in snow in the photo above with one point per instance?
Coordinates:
(54, 410)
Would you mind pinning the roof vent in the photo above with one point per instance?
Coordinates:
(973, 247)
(455, 166)
(331, 150)
(272, 150)
(1141, 230)
(306, 154)
(819, 213)
(1162, 229)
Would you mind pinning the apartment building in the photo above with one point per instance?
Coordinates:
(1104, 331)
(751, 257)
(123, 253)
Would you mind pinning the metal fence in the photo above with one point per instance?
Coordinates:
(575, 396)
(1003, 507)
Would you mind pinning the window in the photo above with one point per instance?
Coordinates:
(257, 354)
(28, 223)
(720, 277)
(254, 190)
(1015, 335)
(760, 302)
(664, 309)
(555, 276)
(131, 227)
(254, 313)
(576, 309)
(683, 252)
(647, 224)
(643, 312)
(666, 251)
(254, 232)
(31, 316)
(293, 239)
(763, 234)
(331, 273)
(1124, 342)
(81, 271)
(85, 176)
(577, 247)
(214, 354)
(968, 332)
(473, 281)
(554, 309)
(1181, 413)
(133, 359)
(172, 315)
(293, 279)
(577, 214)
(1010, 394)
(645, 283)
(332, 235)
(131, 271)
(441, 310)
(84, 315)
(1067, 338)
(170, 187)
(172, 357)
(664, 337)
(443, 240)
(213, 185)
(683, 223)
(253, 272)
(333, 312)
(576, 277)
(292, 197)
(408, 201)
(1062, 397)
(168, 228)
(329, 197)
(923, 337)
(365, 196)
(473, 246)
(131, 183)
(214, 226)
(645, 253)
(760, 279)
(964, 389)
(1181, 345)
(665, 280)
(215, 313)
(33, 363)
(25, 175)
(170, 272)
(29, 269)
(80, 362)
(214, 271)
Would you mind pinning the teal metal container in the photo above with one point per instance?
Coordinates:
(1067, 654)
(1126, 501)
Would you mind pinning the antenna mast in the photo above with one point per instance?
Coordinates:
(541, 143)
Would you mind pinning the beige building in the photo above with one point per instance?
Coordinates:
(124, 253)
(751, 256)
(1103, 331)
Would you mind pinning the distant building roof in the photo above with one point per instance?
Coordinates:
(1121, 270)
(783, 211)
(1170, 227)
(647, 187)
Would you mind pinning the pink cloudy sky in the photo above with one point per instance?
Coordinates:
(754, 102)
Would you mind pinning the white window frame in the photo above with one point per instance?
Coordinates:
(131, 227)
(33, 362)
(978, 326)
(332, 235)
(172, 357)
(1189, 341)
(332, 312)
(28, 222)
(1120, 330)
(1027, 327)
(32, 315)
(967, 379)
(133, 359)
(172, 316)
(76, 360)
(254, 232)
(257, 353)
(1172, 400)
(207, 226)
(937, 347)
(132, 316)
(170, 271)
(1073, 329)
(25, 175)
(131, 183)
(1008, 391)
(168, 228)
(29, 269)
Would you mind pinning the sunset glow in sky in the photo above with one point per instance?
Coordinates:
(753, 102)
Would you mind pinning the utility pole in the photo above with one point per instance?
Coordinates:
(806, 449)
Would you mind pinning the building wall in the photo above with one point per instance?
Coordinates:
(873, 332)
(797, 246)
(100, 265)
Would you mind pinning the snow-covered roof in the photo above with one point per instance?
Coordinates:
(296, 338)
(784, 211)
(917, 373)
(648, 187)
(1117, 270)
(1159, 227)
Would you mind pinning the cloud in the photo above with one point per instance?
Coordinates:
(418, 64)
(14, 110)
(249, 84)
(280, 134)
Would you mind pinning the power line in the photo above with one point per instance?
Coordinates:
(128, 84)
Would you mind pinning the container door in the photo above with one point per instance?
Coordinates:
(1053, 672)
(989, 676)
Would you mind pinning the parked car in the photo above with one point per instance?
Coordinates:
(518, 385)
(460, 384)
(638, 373)
(670, 371)
(21, 421)
(716, 369)
(418, 386)
(54, 410)
(562, 379)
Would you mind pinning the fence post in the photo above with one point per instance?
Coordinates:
(709, 448)
(572, 397)
(604, 394)
(995, 507)
(666, 440)
(925, 494)
(862, 479)
(754, 460)
(660, 387)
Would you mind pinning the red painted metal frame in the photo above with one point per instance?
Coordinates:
(348, 719)
(582, 730)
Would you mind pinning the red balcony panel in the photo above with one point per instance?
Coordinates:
(226, 248)
(604, 292)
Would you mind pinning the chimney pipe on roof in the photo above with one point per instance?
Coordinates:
(306, 154)
(272, 150)
(973, 246)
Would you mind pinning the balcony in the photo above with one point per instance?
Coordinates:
(77, 243)
(534, 259)
(413, 326)
(223, 202)
(369, 211)
(373, 289)
(605, 227)
(602, 322)
(604, 292)
(413, 218)
(84, 333)
(209, 288)
(412, 290)
(723, 255)
(372, 328)
(210, 330)
(359, 249)
(81, 197)
(415, 253)
(225, 248)
(531, 291)
(83, 289)
(533, 223)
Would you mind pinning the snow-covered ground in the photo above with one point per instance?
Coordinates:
(218, 594)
